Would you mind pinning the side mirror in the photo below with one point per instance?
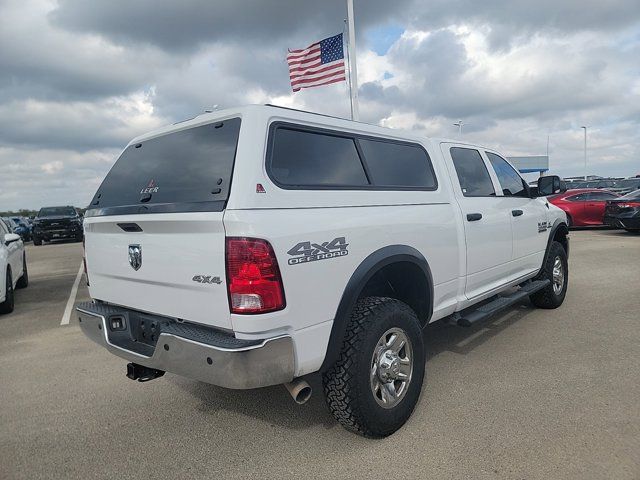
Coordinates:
(551, 185)
(10, 238)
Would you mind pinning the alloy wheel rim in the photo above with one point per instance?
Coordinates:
(391, 368)
(558, 276)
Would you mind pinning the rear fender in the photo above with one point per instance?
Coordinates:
(365, 271)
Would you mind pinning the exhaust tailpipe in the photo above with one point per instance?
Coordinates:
(300, 390)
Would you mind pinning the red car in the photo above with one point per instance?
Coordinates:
(583, 206)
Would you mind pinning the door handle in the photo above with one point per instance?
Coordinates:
(474, 217)
(516, 213)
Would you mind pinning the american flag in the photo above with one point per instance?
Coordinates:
(321, 63)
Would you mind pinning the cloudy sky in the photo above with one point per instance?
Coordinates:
(79, 79)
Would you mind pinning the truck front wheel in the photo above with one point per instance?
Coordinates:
(556, 270)
(375, 384)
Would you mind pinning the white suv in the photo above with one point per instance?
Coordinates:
(13, 267)
(253, 246)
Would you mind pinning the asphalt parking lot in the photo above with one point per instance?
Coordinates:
(530, 394)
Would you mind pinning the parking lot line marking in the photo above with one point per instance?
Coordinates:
(72, 297)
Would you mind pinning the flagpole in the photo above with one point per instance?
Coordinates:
(346, 47)
(353, 70)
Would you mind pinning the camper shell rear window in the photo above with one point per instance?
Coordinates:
(183, 171)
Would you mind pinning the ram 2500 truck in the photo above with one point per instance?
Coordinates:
(254, 246)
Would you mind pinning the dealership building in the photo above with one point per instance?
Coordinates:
(531, 164)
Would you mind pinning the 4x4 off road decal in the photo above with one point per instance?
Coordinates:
(305, 252)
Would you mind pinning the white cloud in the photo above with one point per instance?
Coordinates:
(35, 177)
(78, 125)
(78, 80)
(52, 167)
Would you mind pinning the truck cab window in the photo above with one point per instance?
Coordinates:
(511, 182)
(472, 173)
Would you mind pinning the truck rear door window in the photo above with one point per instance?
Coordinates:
(472, 173)
(181, 171)
(398, 165)
(306, 158)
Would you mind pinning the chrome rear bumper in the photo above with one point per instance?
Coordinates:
(219, 359)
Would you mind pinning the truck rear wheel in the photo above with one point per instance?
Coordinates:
(556, 270)
(375, 384)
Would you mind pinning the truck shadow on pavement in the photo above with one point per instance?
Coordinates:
(271, 405)
(441, 336)
(274, 406)
(620, 233)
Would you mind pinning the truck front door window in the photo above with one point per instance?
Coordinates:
(511, 182)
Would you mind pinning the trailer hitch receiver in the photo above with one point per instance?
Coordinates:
(142, 373)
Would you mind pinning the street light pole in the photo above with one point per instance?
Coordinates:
(548, 147)
(459, 125)
(585, 153)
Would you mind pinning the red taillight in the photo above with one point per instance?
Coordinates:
(253, 276)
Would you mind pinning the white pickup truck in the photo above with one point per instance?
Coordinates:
(253, 246)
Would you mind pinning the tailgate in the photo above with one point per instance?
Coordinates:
(168, 264)
(154, 234)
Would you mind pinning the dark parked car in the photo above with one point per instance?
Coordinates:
(57, 223)
(624, 212)
(18, 228)
(628, 185)
(23, 228)
(606, 183)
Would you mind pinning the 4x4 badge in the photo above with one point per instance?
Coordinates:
(135, 256)
(206, 279)
(305, 252)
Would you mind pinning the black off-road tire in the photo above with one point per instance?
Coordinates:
(23, 282)
(37, 241)
(347, 384)
(7, 305)
(548, 297)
